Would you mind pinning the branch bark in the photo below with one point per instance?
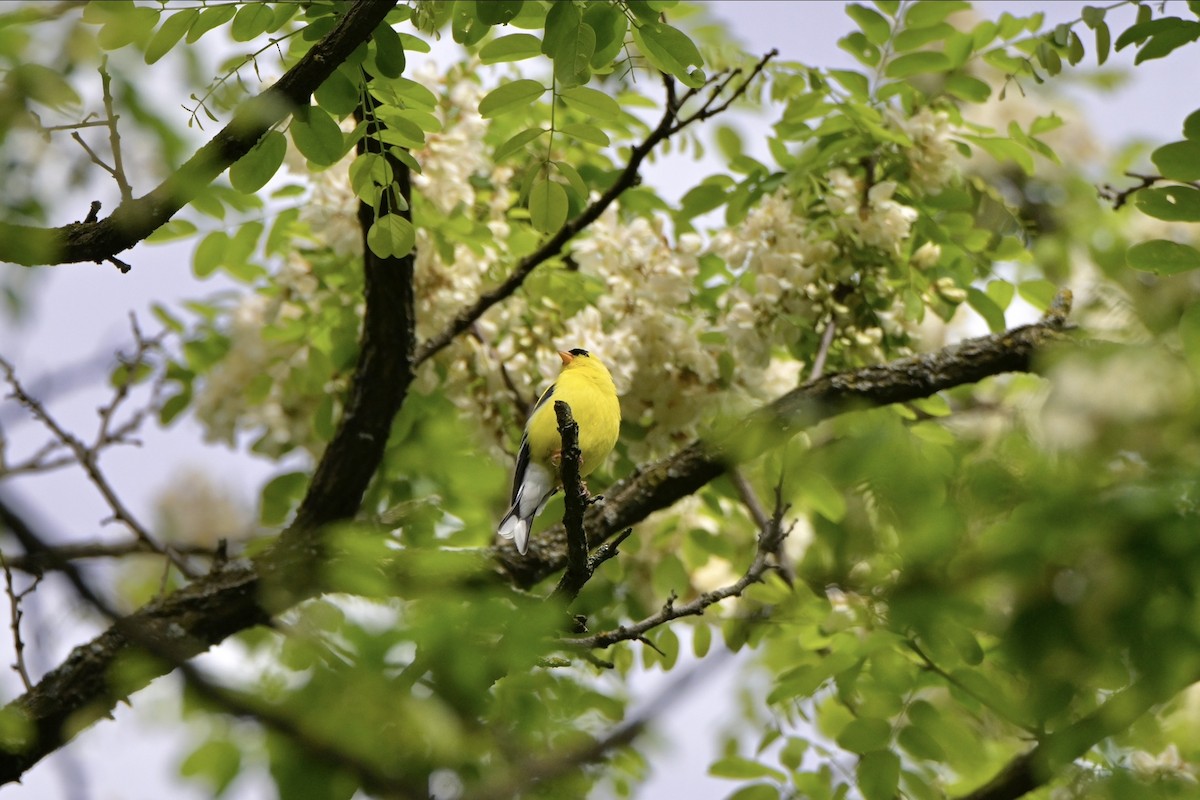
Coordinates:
(135, 219)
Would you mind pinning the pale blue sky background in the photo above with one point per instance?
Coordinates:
(80, 314)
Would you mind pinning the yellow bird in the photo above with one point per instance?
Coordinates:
(587, 387)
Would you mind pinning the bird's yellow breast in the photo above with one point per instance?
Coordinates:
(594, 405)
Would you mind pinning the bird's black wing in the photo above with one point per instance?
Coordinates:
(542, 400)
(523, 453)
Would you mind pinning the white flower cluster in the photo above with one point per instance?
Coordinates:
(248, 389)
(934, 157)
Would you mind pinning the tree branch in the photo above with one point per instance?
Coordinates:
(661, 484)
(210, 609)
(575, 500)
(135, 219)
(669, 125)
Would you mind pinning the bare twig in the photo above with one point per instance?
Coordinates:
(818, 367)
(14, 605)
(669, 125)
(88, 455)
(39, 564)
(1119, 197)
(769, 538)
(114, 137)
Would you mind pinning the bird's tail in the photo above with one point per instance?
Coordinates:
(516, 527)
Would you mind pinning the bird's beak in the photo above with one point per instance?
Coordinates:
(566, 357)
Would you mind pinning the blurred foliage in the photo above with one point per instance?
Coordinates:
(972, 573)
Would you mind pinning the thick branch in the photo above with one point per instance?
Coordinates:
(221, 604)
(136, 219)
(678, 476)
(575, 503)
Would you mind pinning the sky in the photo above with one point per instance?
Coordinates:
(79, 314)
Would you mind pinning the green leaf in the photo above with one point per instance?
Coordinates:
(1191, 126)
(43, 85)
(931, 12)
(1103, 43)
(911, 64)
(174, 229)
(1172, 203)
(252, 171)
(610, 26)
(1001, 292)
(252, 20)
(992, 314)
(279, 496)
(517, 142)
(854, 82)
(669, 50)
(548, 205)
(919, 744)
(1092, 16)
(561, 20)
(391, 236)
(389, 51)
(216, 761)
(739, 768)
(586, 133)
(1189, 335)
(912, 38)
(167, 36)
(499, 12)
(873, 24)
(317, 136)
(965, 87)
(1038, 293)
(510, 96)
(210, 18)
(515, 47)
(1163, 257)
(878, 775)
(1179, 161)
(756, 791)
(593, 102)
(338, 94)
(571, 43)
(368, 172)
(210, 254)
(1166, 42)
(865, 734)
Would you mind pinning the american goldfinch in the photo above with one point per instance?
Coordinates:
(587, 387)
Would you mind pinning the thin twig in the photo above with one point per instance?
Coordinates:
(88, 455)
(39, 564)
(669, 125)
(768, 540)
(114, 137)
(14, 604)
(822, 355)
